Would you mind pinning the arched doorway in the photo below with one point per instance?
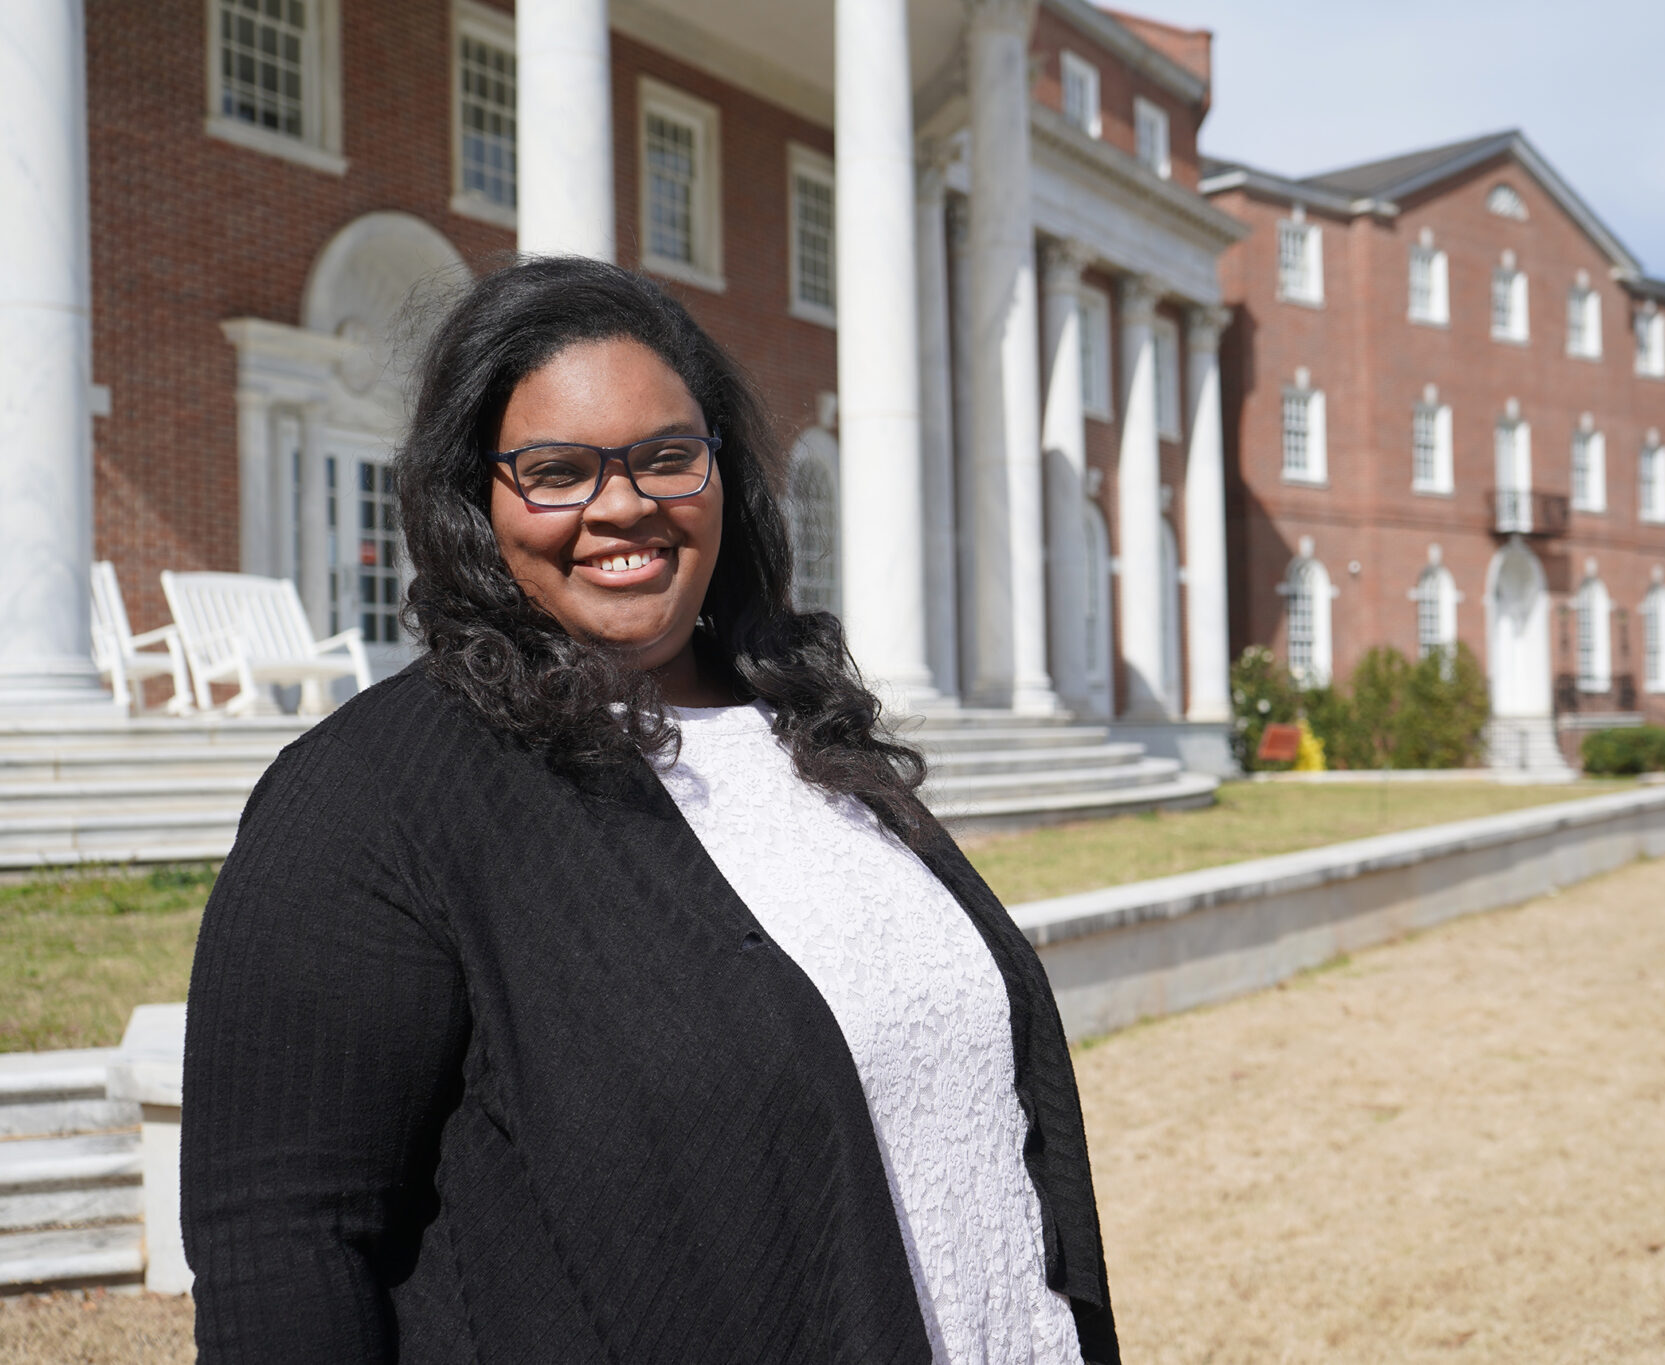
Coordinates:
(1517, 633)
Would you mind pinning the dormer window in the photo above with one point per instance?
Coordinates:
(1150, 127)
(1081, 99)
(1300, 259)
(1505, 202)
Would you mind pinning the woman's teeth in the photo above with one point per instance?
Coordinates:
(619, 563)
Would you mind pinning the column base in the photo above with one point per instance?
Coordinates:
(42, 689)
(1200, 747)
(1036, 699)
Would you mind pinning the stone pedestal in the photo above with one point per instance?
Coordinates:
(150, 1070)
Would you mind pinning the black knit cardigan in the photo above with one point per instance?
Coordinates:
(480, 1067)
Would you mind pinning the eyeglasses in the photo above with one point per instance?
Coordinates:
(566, 474)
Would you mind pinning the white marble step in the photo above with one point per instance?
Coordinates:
(63, 1181)
(111, 796)
(963, 762)
(1184, 791)
(111, 732)
(52, 1094)
(1006, 737)
(137, 762)
(1051, 782)
(111, 1254)
(136, 835)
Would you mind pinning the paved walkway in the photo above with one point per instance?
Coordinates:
(1449, 1149)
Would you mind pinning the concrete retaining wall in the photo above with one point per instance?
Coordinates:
(1125, 953)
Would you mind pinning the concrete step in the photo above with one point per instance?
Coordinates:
(66, 1181)
(1184, 791)
(1007, 737)
(134, 835)
(54, 1094)
(960, 762)
(69, 1257)
(136, 762)
(111, 796)
(111, 732)
(1003, 786)
(964, 718)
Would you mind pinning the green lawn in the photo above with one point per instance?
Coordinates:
(78, 952)
(1252, 820)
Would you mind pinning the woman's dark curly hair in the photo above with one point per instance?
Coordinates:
(576, 699)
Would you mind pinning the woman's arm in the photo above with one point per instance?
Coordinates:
(323, 1051)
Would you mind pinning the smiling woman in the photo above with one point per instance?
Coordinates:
(598, 988)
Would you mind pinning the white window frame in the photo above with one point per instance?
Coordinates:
(815, 456)
(1436, 311)
(1306, 587)
(1097, 391)
(1594, 611)
(1516, 325)
(1436, 600)
(1304, 284)
(319, 145)
(1150, 137)
(1650, 340)
(1435, 417)
(1513, 472)
(1653, 639)
(808, 164)
(1315, 468)
(705, 271)
(1089, 117)
(1650, 483)
(496, 29)
(1505, 202)
(1165, 354)
(1589, 450)
(1584, 322)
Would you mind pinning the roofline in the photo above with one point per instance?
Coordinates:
(1645, 288)
(1269, 186)
(1128, 45)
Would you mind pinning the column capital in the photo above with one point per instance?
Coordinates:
(1137, 295)
(1062, 261)
(1007, 14)
(1203, 326)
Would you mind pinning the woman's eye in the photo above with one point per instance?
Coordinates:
(668, 457)
(555, 473)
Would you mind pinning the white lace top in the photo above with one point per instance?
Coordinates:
(925, 1013)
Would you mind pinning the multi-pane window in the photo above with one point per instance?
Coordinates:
(1166, 336)
(1595, 663)
(1589, 470)
(1150, 130)
(1081, 93)
(486, 118)
(1306, 593)
(262, 64)
(1584, 322)
(1650, 340)
(1653, 639)
(1300, 261)
(1512, 441)
(813, 253)
(1301, 624)
(1436, 611)
(681, 198)
(812, 524)
(1509, 322)
(1505, 202)
(1094, 315)
(1431, 446)
(378, 544)
(1305, 457)
(1650, 483)
(1430, 293)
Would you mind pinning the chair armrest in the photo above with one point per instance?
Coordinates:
(342, 640)
(160, 636)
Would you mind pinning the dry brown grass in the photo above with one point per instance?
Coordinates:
(1451, 1148)
(1444, 1150)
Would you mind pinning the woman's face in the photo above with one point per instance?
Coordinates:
(611, 393)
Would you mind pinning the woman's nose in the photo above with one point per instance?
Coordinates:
(618, 502)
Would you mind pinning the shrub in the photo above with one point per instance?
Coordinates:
(1262, 694)
(1443, 721)
(1632, 749)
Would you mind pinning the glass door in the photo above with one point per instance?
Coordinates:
(367, 573)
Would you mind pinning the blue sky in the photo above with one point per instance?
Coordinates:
(1302, 86)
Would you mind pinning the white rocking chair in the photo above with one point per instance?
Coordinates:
(243, 629)
(126, 660)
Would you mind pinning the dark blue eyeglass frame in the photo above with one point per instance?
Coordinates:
(607, 454)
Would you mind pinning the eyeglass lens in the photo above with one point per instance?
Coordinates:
(563, 476)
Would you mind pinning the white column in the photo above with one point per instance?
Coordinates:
(314, 522)
(963, 381)
(880, 476)
(254, 482)
(285, 438)
(1208, 643)
(1139, 506)
(1064, 439)
(46, 516)
(1011, 588)
(564, 113)
(936, 429)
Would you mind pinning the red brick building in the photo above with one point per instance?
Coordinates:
(1445, 387)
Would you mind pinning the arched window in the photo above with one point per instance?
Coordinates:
(1436, 611)
(1653, 639)
(1306, 591)
(1595, 650)
(812, 525)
